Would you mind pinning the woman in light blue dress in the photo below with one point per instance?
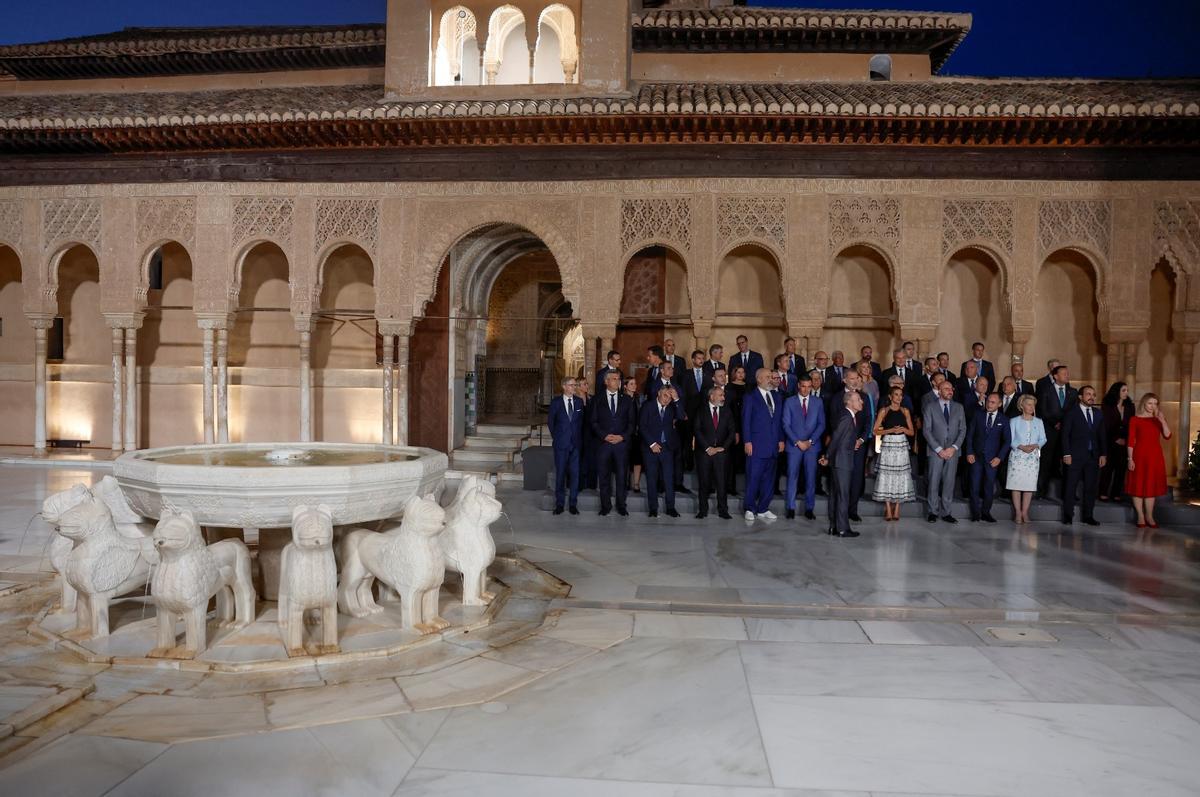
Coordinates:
(1028, 437)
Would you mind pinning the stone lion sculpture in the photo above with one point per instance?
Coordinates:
(467, 545)
(191, 573)
(407, 559)
(308, 579)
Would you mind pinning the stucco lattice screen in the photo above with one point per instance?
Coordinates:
(160, 219)
(752, 218)
(71, 220)
(1067, 221)
(1177, 227)
(269, 218)
(864, 218)
(656, 220)
(977, 220)
(354, 220)
(10, 222)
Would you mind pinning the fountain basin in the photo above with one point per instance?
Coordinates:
(257, 485)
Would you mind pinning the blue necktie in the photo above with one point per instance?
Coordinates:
(662, 437)
(1062, 396)
(946, 413)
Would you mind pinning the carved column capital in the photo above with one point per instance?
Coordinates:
(124, 320)
(214, 320)
(40, 320)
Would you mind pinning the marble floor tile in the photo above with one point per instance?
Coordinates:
(229, 684)
(474, 681)
(116, 682)
(416, 729)
(356, 758)
(688, 626)
(540, 653)
(326, 704)
(790, 596)
(423, 782)
(1066, 635)
(800, 630)
(669, 594)
(166, 718)
(77, 766)
(894, 632)
(650, 709)
(872, 597)
(15, 697)
(1176, 639)
(979, 748)
(981, 600)
(595, 628)
(1067, 676)
(922, 671)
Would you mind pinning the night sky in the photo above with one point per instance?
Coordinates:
(1101, 38)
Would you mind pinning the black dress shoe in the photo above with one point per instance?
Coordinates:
(854, 518)
(682, 489)
(949, 518)
(808, 513)
(821, 491)
(791, 514)
(733, 493)
(849, 533)
(558, 510)
(1091, 521)
(724, 516)
(574, 510)
(987, 517)
(932, 518)
(653, 513)
(832, 532)
(974, 518)
(604, 512)
(672, 513)
(701, 515)
(1067, 521)
(623, 512)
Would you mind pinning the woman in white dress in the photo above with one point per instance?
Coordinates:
(1024, 460)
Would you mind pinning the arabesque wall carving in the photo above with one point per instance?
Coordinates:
(71, 220)
(266, 217)
(347, 220)
(1065, 222)
(745, 218)
(864, 218)
(653, 219)
(966, 220)
(1177, 231)
(161, 219)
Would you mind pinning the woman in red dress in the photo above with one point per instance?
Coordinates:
(1147, 476)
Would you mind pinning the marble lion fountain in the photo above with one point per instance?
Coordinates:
(352, 548)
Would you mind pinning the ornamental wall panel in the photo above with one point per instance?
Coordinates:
(652, 219)
(11, 223)
(161, 219)
(869, 218)
(752, 218)
(1177, 232)
(66, 220)
(268, 218)
(354, 220)
(965, 220)
(1064, 222)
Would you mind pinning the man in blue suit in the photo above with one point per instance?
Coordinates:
(787, 380)
(656, 425)
(746, 358)
(566, 429)
(1084, 452)
(988, 441)
(612, 426)
(613, 365)
(803, 425)
(762, 428)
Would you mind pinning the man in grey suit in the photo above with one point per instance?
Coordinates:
(945, 426)
(840, 457)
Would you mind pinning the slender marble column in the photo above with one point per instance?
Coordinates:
(402, 390)
(1113, 362)
(589, 358)
(222, 386)
(39, 388)
(1186, 352)
(1130, 357)
(305, 387)
(118, 382)
(209, 436)
(389, 355)
(131, 404)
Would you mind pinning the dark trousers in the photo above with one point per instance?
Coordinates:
(610, 461)
(858, 479)
(587, 464)
(841, 481)
(760, 483)
(1088, 473)
(1112, 475)
(1051, 459)
(983, 487)
(654, 464)
(712, 471)
(566, 474)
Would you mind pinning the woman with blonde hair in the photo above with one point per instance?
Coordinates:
(1025, 457)
(1146, 478)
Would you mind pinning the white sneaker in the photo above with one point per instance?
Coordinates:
(750, 516)
(768, 515)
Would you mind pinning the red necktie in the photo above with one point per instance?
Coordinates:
(714, 417)
(804, 406)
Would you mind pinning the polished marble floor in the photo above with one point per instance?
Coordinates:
(692, 660)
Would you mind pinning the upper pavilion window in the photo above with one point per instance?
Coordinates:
(505, 53)
(881, 67)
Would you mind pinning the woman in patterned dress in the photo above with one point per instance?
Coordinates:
(893, 480)
(1025, 457)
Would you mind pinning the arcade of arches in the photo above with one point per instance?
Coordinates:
(139, 316)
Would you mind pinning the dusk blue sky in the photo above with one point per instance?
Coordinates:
(1101, 38)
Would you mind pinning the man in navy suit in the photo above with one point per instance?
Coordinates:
(714, 362)
(669, 356)
(841, 458)
(795, 362)
(988, 441)
(612, 367)
(656, 425)
(1055, 400)
(656, 357)
(982, 367)
(803, 425)
(787, 380)
(714, 431)
(612, 426)
(1085, 452)
(1023, 386)
(750, 360)
(1046, 380)
(964, 387)
(566, 429)
(909, 378)
(762, 430)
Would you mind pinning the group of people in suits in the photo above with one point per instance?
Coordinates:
(821, 427)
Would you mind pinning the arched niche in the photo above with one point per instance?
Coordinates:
(655, 304)
(861, 308)
(16, 342)
(169, 338)
(456, 57)
(263, 334)
(1158, 354)
(78, 393)
(345, 348)
(972, 309)
(1065, 318)
(750, 301)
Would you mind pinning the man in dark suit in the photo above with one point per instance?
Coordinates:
(840, 456)
(866, 426)
(587, 455)
(666, 379)
(983, 367)
(943, 364)
(795, 362)
(612, 425)
(976, 402)
(714, 362)
(696, 382)
(787, 380)
(964, 387)
(1084, 453)
(803, 426)
(613, 366)
(566, 431)
(910, 355)
(1046, 381)
(714, 434)
(762, 431)
(656, 425)
(750, 360)
(908, 378)
(829, 379)
(867, 355)
(837, 361)
(670, 356)
(923, 384)
(987, 444)
(655, 356)
(1055, 400)
(1024, 387)
(1009, 406)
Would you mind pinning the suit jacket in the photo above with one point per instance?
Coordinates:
(567, 433)
(708, 436)
(864, 421)
(797, 426)
(1024, 386)
(659, 430)
(938, 433)
(603, 372)
(1048, 408)
(840, 452)
(788, 387)
(985, 369)
(711, 368)
(652, 388)
(973, 407)
(759, 428)
(797, 365)
(829, 378)
(988, 444)
(922, 386)
(680, 364)
(964, 390)
(604, 422)
(1013, 409)
(1083, 443)
(752, 361)
(1041, 383)
(911, 381)
(693, 395)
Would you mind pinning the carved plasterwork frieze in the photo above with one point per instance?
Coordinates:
(71, 220)
(857, 218)
(655, 219)
(263, 217)
(1062, 222)
(751, 218)
(1177, 231)
(965, 220)
(161, 219)
(354, 220)
(10, 223)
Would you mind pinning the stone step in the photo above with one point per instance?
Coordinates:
(501, 429)
(497, 443)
